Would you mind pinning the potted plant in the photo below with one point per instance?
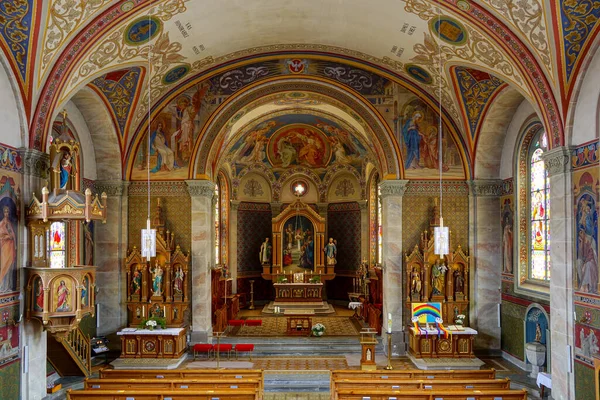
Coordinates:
(315, 279)
(318, 329)
(153, 323)
(281, 279)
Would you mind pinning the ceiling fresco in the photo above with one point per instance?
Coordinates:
(57, 47)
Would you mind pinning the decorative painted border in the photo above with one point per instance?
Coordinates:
(585, 155)
(421, 187)
(175, 188)
(10, 159)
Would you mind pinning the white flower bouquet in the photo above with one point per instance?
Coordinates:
(459, 319)
(318, 329)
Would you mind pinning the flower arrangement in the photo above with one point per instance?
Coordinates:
(318, 329)
(315, 279)
(459, 319)
(281, 279)
(153, 322)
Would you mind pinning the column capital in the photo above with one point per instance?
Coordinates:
(322, 209)
(234, 205)
(111, 188)
(393, 187)
(487, 187)
(557, 160)
(35, 162)
(363, 204)
(201, 188)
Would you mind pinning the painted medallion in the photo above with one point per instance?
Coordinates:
(142, 30)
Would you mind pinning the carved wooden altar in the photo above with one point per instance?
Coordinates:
(450, 274)
(159, 288)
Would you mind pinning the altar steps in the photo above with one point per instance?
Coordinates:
(305, 382)
(300, 346)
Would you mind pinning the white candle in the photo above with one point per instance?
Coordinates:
(143, 311)
(389, 326)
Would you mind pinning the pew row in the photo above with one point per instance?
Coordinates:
(381, 394)
(415, 374)
(168, 384)
(181, 394)
(181, 373)
(430, 384)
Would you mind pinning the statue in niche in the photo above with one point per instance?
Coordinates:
(136, 282)
(157, 277)
(459, 282)
(178, 281)
(438, 275)
(415, 284)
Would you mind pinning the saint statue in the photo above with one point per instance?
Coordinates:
(415, 284)
(459, 281)
(265, 252)
(178, 281)
(136, 282)
(331, 252)
(157, 277)
(438, 275)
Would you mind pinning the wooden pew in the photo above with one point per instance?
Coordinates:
(171, 384)
(429, 384)
(414, 374)
(181, 373)
(388, 394)
(182, 394)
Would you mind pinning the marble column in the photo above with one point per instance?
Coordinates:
(110, 251)
(558, 165)
(203, 226)
(364, 229)
(485, 242)
(33, 383)
(392, 192)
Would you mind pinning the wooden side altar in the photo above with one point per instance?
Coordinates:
(159, 343)
(431, 343)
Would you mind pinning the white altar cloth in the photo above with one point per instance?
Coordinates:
(165, 332)
(453, 329)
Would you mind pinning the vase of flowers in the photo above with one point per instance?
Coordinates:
(153, 323)
(459, 319)
(281, 279)
(318, 330)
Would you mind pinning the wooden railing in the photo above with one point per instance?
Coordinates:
(78, 345)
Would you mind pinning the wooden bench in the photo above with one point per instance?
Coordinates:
(388, 394)
(171, 384)
(414, 374)
(181, 394)
(180, 373)
(437, 385)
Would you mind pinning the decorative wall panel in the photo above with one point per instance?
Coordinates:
(253, 226)
(343, 224)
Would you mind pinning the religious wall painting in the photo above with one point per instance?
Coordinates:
(9, 229)
(85, 292)
(38, 294)
(298, 244)
(586, 343)
(585, 155)
(173, 133)
(291, 140)
(63, 294)
(419, 138)
(586, 231)
(9, 329)
(507, 223)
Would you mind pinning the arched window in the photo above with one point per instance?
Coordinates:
(217, 217)
(533, 210)
(539, 210)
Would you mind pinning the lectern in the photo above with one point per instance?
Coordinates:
(368, 343)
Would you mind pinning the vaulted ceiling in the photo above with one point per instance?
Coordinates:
(456, 55)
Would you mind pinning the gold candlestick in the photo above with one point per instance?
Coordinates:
(389, 365)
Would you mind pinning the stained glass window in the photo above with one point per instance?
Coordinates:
(539, 211)
(57, 246)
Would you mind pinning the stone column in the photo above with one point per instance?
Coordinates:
(485, 242)
(364, 229)
(233, 261)
(558, 165)
(110, 251)
(201, 193)
(33, 383)
(391, 209)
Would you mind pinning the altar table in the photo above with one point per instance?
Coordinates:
(430, 343)
(158, 343)
(298, 292)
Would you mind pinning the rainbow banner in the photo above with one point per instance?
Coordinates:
(427, 312)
